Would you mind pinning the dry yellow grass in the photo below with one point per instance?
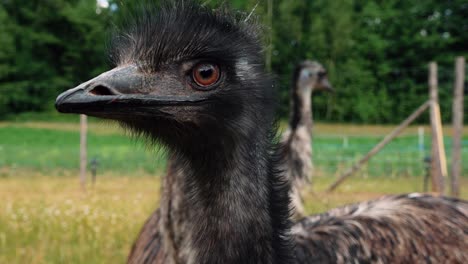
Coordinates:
(48, 219)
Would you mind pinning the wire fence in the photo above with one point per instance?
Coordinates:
(405, 156)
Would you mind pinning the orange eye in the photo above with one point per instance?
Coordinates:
(205, 74)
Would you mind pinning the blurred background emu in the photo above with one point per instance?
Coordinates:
(376, 55)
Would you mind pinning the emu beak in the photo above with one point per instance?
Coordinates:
(326, 86)
(123, 92)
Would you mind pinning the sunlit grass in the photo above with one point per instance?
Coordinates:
(48, 219)
(357, 189)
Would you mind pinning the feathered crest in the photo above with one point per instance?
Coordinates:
(172, 31)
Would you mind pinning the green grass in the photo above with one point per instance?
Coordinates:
(45, 146)
(52, 116)
(46, 218)
(46, 149)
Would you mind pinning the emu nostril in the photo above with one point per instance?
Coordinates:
(101, 90)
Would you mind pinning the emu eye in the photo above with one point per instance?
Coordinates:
(322, 74)
(206, 74)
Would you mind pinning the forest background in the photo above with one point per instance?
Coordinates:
(376, 51)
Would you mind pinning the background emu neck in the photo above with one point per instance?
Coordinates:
(232, 208)
(301, 103)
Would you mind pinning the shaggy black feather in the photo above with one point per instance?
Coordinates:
(225, 160)
(232, 139)
(175, 31)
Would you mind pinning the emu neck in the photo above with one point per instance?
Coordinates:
(301, 104)
(226, 207)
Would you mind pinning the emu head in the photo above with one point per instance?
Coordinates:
(310, 76)
(182, 72)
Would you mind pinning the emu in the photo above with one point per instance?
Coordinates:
(192, 79)
(309, 76)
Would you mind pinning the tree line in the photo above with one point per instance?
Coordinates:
(376, 51)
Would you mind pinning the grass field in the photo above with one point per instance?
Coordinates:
(46, 218)
(45, 146)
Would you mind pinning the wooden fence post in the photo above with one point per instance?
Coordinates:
(438, 158)
(83, 150)
(457, 126)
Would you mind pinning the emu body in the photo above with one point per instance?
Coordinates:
(308, 77)
(192, 79)
(413, 228)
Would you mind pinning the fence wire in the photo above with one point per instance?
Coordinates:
(404, 156)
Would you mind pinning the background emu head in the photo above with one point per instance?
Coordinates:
(182, 72)
(311, 76)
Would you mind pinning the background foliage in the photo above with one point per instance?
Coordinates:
(376, 51)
